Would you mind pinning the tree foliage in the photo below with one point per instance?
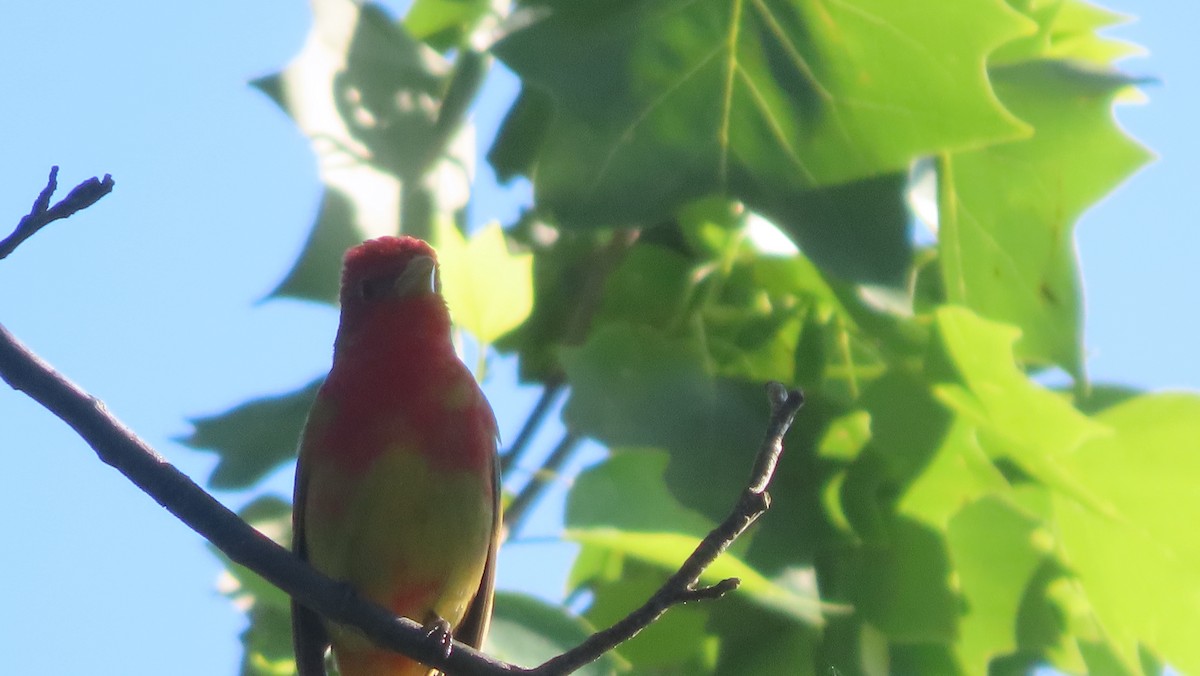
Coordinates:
(870, 200)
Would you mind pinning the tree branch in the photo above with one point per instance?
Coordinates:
(42, 214)
(681, 587)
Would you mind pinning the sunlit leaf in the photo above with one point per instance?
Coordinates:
(995, 556)
(1140, 567)
(1016, 417)
(1008, 211)
(443, 22)
(686, 98)
(489, 290)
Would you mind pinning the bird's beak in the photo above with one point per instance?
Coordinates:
(419, 276)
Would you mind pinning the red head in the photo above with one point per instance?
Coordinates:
(389, 285)
(388, 268)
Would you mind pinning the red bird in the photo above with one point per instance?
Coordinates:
(396, 486)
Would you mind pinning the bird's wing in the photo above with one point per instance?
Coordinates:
(475, 623)
(309, 638)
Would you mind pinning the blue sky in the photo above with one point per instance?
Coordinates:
(150, 299)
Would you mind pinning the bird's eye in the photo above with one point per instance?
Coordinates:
(375, 288)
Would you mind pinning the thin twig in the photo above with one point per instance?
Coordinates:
(42, 214)
(532, 491)
(681, 587)
(545, 402)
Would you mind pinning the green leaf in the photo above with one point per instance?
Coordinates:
(993, 549)
(1077, 34)
(903, 587)
(1007, 211)
(488, 289)
(645, 505)
(387, 93)
(271, 516)
(367, 95)
(527, 632)
(443, 23)
(1043, 624)
(924, 658)
(521, 134)
(846, 436)
(568, 269)
(254, 438)
(267, 642)
(649, 525)
(856, 231)
(662, 102)
(1140, 567)
(660, 393)
(1067, 30)
(362, 89)
(755, 642)
(960, 473)
(650, 287)
(633, 386)
(1016, 418)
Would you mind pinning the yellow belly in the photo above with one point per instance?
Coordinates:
(407, 537)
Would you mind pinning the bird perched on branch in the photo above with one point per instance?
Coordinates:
(396, 485)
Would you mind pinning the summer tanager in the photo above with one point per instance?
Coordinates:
(396, 485)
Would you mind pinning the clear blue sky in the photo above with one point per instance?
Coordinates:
(149, 299)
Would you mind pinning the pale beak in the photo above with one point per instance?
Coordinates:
(419, 276)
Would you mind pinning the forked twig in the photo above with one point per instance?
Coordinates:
(42, 214)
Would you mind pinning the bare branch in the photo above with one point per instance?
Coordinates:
(680, 587)
(42, 214)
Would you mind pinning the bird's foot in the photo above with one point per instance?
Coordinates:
(437, 630)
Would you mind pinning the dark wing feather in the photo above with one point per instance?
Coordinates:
(309, 638)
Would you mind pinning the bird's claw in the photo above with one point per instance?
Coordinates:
(437, 630)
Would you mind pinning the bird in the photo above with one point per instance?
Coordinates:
(397, 488)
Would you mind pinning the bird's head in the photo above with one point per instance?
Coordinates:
(389, 269)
